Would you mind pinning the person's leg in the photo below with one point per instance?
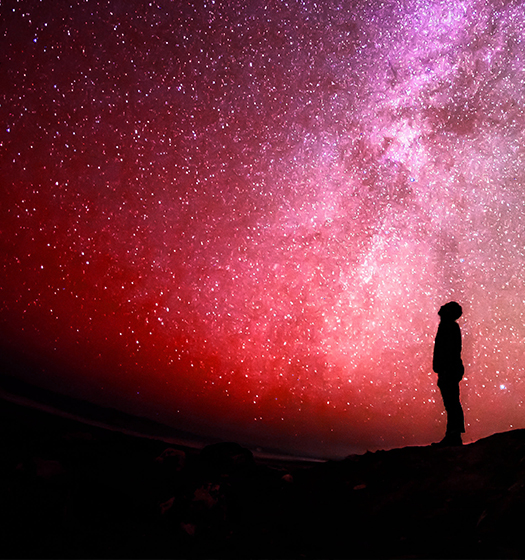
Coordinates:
(455, 418)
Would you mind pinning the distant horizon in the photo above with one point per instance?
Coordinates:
(151, 428)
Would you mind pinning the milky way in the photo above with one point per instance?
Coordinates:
(241, 218)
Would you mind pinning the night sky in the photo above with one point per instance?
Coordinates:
(241, 218)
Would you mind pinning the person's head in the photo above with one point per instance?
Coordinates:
(450, 311)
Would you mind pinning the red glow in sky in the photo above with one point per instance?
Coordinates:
(242, 218)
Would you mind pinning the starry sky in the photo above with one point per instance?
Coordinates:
(241, 218)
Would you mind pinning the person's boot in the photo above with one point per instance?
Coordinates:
(454, 439)
(451, 439)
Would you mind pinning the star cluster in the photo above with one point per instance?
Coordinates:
(241, 218)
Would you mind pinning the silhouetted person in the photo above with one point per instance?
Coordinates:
(449, 367)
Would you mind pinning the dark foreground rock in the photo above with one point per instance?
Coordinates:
(72, 491)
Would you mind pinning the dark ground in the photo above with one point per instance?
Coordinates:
(70, 490)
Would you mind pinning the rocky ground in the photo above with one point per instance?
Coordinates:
(69, 490)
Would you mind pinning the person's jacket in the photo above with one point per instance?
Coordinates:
(447, 361)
